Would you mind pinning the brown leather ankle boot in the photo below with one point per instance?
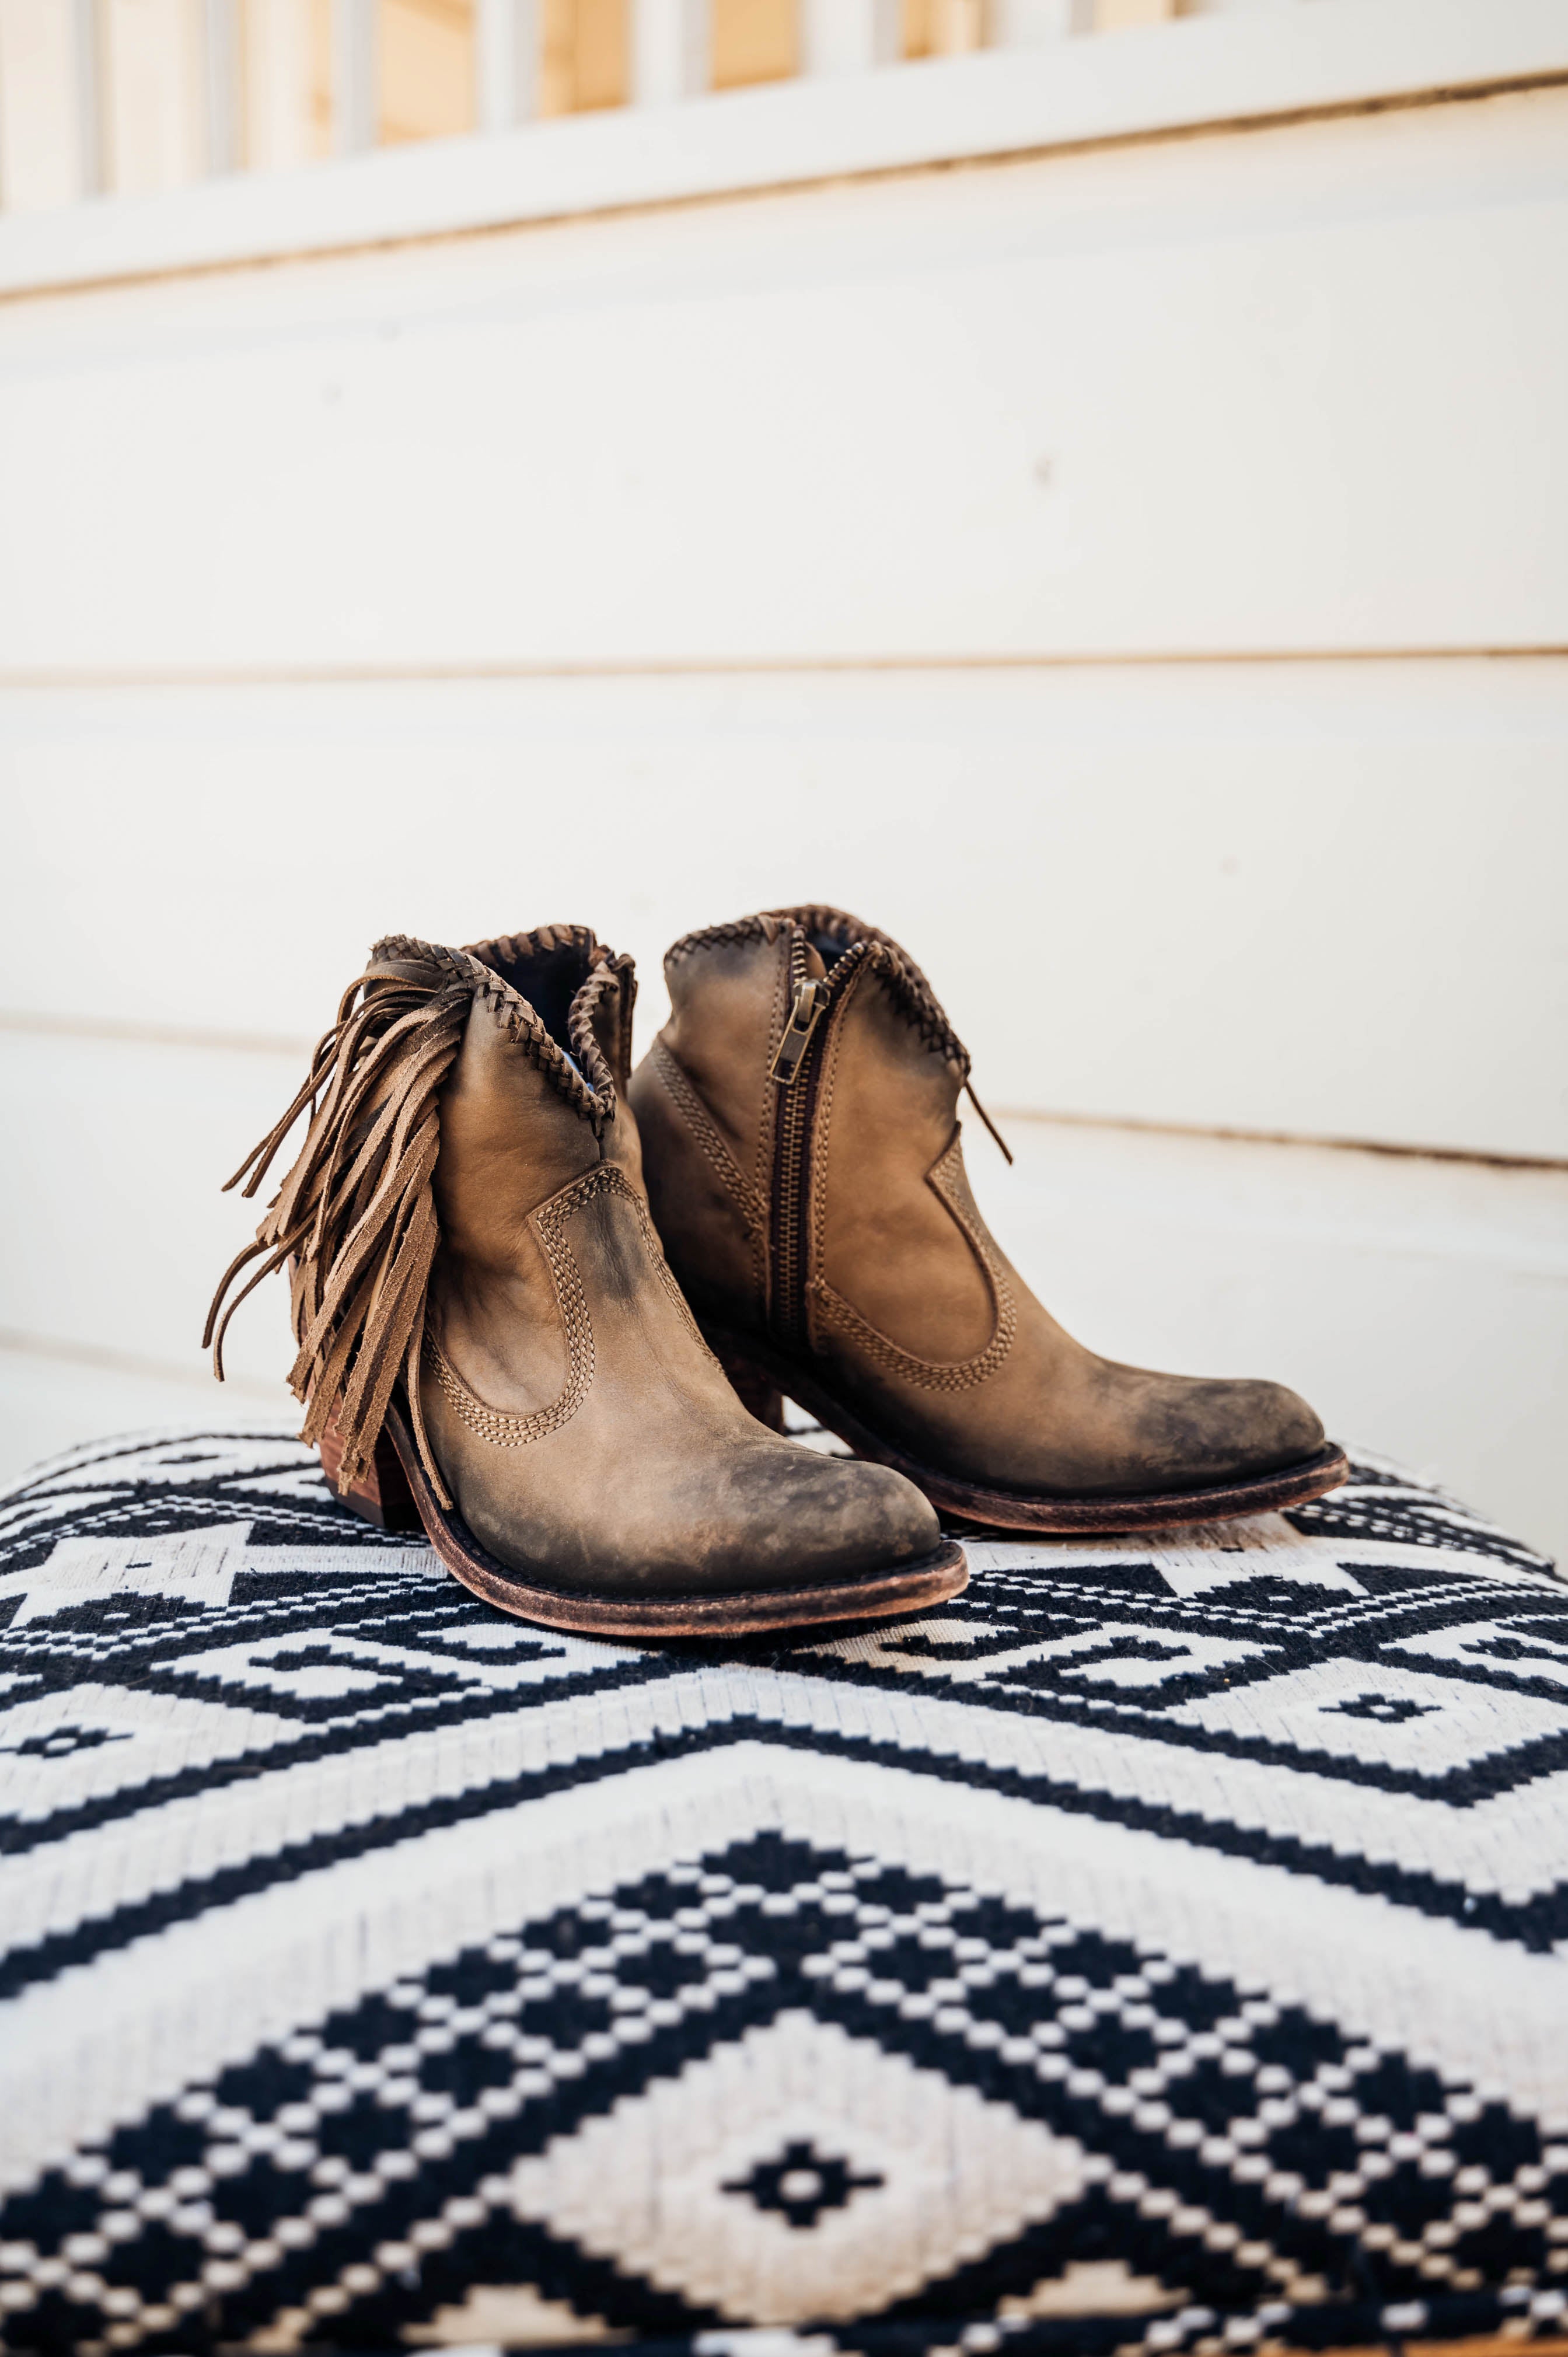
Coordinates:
(490, 1338)
(799, 1120)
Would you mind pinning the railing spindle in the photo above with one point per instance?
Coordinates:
(87, 44)
(506, 42)
(353, 76)
(839, 37)
(671, 50)
(1036, 24)
(221, 82)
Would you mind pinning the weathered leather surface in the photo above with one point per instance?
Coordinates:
(915, 1318)
(617, 1458)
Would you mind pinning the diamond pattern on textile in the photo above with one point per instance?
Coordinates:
(375, 1966)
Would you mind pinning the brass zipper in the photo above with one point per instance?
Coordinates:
(810, 997)
(795, 1073)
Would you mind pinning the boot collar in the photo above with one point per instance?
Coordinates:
(833, 933)
(535, 985)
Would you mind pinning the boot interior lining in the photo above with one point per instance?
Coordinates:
(549, 980)
(830, 947)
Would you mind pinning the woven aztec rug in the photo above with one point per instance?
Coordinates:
(1162, 1947)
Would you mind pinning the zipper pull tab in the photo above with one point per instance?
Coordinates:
(804, 1016)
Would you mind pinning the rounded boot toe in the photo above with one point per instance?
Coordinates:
(879, 1520)
(1281, 1427)
(799, 1520)
(1202, 1433)
(1270, 1426)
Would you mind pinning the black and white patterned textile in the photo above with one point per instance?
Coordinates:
(1164, 1946)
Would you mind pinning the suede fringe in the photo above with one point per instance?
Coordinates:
(354, 1220)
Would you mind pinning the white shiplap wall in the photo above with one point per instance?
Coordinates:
(1130, 576)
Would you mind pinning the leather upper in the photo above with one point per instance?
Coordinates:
(468, 1240)
(912, 1314)
(587, 1433)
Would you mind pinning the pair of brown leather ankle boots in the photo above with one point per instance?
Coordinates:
(550, 1309)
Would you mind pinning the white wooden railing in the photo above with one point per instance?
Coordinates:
(181, 119)
(65, 65)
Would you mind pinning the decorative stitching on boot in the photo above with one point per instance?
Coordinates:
(506, 1431)
(933, 1374)
(679, 1089)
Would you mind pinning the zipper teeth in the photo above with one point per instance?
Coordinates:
(789, 1155)
(808, 1084)
(795, 1118)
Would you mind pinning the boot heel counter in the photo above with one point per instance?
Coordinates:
(749, 1380)
(714, 1237)
(381, 1494)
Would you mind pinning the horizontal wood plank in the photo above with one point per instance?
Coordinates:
(1294, 393)
(1316, 898)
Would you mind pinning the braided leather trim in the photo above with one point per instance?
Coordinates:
(695, 1113)
(493, 1424)
(906, 983)
(515, 949)
(911, 993)
(590, 1090)
(608, 980)
(711, 937)
(933, 1374)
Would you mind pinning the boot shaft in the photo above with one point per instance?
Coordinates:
(536, 1096)
(802, 1107)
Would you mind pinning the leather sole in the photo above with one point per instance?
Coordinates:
(394, 1491)
(756, 1368)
